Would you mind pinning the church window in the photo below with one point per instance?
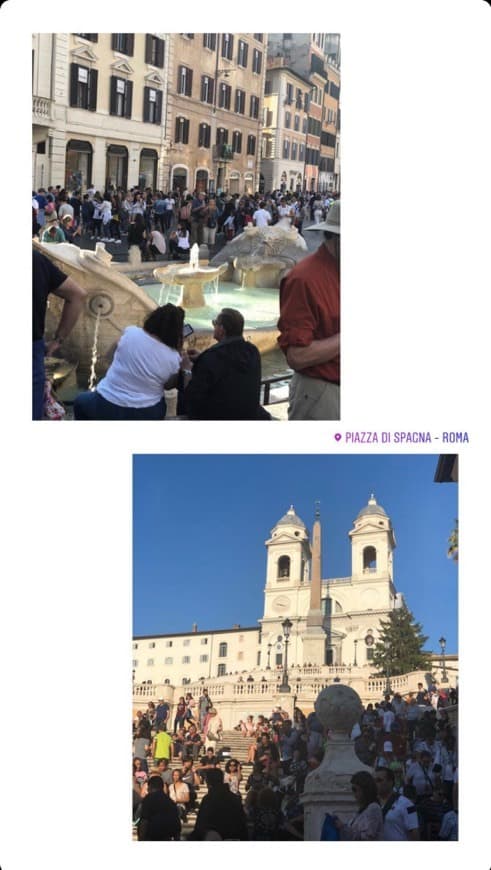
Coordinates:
(222, 650)
(329, 656)
(279, 658)
(221, 670)
(369, 560)
(283, 567)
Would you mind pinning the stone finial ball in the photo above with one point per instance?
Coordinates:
(338, 707)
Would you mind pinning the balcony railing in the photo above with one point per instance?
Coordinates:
(42, 109)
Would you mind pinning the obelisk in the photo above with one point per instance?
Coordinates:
(314, 640)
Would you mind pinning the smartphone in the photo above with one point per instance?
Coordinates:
(187, 330)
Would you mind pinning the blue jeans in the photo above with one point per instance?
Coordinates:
(38, 378)
(93, 406)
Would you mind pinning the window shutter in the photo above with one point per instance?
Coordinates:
(112, 98)
(131, 44)
(176, 131)
(73, 83)
(114, 41)
(160, 53)
(128, 99)
(148, 48)
(246, 49)
(189, 83)
(158, 108)
(186, 131)
(92, 90)
(146, 104)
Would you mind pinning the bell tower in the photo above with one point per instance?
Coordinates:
(372, 545)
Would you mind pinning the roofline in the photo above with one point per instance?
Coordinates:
(195, 633)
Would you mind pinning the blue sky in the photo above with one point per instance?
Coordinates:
(200, 522)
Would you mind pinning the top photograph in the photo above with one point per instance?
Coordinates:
(186, 204)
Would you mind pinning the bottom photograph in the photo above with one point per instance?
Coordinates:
(295, 668)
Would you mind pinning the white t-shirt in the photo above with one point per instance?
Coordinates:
(158, 240)
(388, 718)
(400, 819)
(422, 779)
(140, 368)
(261, 217)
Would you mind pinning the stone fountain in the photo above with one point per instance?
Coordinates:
(191, 277)
(328, 788)
(260, 256)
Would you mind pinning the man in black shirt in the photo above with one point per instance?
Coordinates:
(224, 381)
(46, 279)
(220, 811)
(159, 818)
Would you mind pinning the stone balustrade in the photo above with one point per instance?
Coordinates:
(42, 109)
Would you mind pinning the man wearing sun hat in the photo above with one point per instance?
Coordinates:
(309, 326)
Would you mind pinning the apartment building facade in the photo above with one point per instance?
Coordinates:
(285, 129)
(99, 101)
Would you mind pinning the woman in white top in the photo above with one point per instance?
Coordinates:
(145, 361)
(368, 824)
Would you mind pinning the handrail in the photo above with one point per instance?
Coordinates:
(266, 383)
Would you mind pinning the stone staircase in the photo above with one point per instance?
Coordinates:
(238, 749)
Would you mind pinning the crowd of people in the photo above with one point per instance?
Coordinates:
(406, 790)
(224, 381)
(160, 223)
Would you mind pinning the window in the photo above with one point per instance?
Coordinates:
(240, 101)
(186, 642)
(188, 35)
(268, 86)
(221, 670)
(237, 142)
(296, 122)
(294, 150)
(258, 36)
(254, 108)
(298, 100)
(369, 560)
(168, 643)
(258, 660)
(154, 50)
(251, 144)
(169, 660)
(206, 89)
(240, 656)
(288, 120)
(92, 37)
(121, 97)
(369, 652)
(210, 41)
(222, 136)
(151, 645)
(185, 81)
(301, 152)
(334, 90)
(204, 641)
(123, 42)
(284, 561)
(83, 87)
(257, 61)
(152, 105)
(135, 663)
(150, 662)
(203, 658)
(279, 658)
(242, 53)
(227, 45)
(135, 646)
(204, 133)
(289, 93)
(224, 96)
(186, 660)
(222, 650)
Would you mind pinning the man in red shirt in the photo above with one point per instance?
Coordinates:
(309, 326)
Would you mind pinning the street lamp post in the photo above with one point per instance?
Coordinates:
(443, 644)
(286, 626)
(388, 687)
(355, 663)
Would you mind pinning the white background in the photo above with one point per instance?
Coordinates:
(415, 326)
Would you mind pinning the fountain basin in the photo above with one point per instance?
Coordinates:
(190, 279)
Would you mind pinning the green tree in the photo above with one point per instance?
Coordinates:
(453, 543)
(400, 648)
